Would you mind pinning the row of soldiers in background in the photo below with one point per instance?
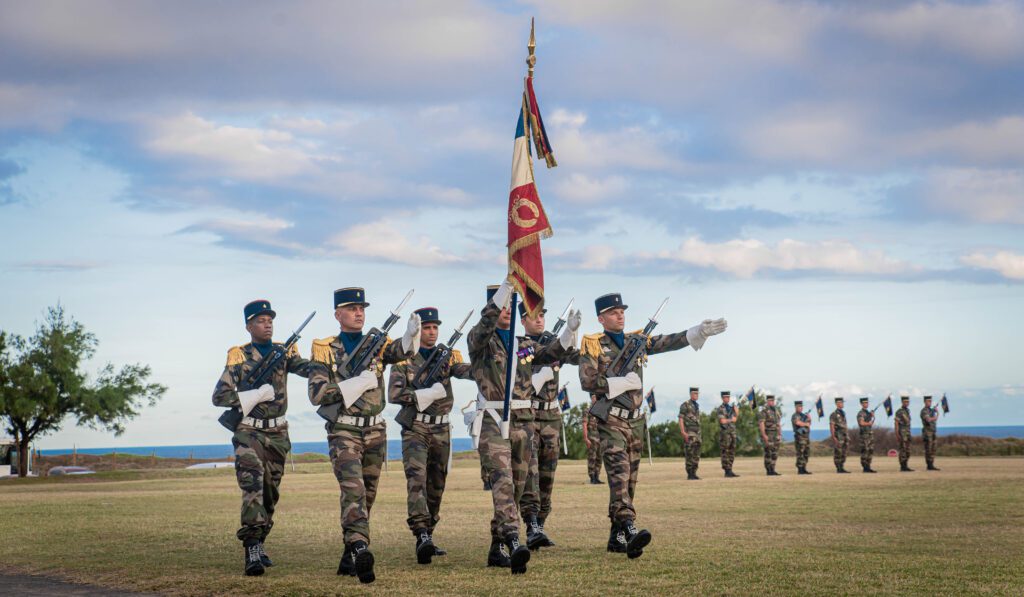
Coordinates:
(770, 428)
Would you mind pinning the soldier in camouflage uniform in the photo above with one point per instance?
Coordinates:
(771, 434)
(356, 430)
(903, 438)
(929, 416)
(689, 427)
(535, 503)
(840, 436)
(507, 460)
(727, 415)
(593, 443)
(866, 422)
(261, 439)
(426, 434)
(801, 422)
(622, 432)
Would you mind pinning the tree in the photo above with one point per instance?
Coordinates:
(42, 382)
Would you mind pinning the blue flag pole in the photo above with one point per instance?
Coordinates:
(510, 366)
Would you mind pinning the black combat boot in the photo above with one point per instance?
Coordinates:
(518, 553)
(253, 565)
(596, 480)
(347, 565)
(363, 562)
(842, 470)
(868, 469)
(264, 558)
(540, 523)
(636, 539)
(691, 476)
(424, 546)
(535, 537)
(487, 485)
(617, 539)
(905, 469)
(932, 467)
(800, 470)
(730, 474)
(498, 555)
(438, 551)
(772, 473)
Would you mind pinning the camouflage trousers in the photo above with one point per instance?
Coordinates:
(771, 450)
(903, 447)
(803, 449)
(357, 457)
(691, 449)
(727, 446)
(496, 460)
(594, 452)
(928, 435)
(622, 444)
(547, 438)
(867, 449)
(259, 467)
(839, 446)
(425, 458)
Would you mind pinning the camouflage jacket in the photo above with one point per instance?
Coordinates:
(328, 354)
(241, 361)
(689, 412)
(400, 390)
(488, 358)
(903, 419)
(865, 416)
(931, 413)
(769, 415)
(598, 352)
(725, 411)
(838, 421)
(803, 418)
(549, 392)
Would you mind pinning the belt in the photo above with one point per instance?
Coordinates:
(263, 423)
(545, 404)
(519, 404)
(438, 420)
(360, 421)
(623, 413)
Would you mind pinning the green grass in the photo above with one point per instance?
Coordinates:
(956, 531)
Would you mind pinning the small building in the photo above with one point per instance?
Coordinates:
(9, 458)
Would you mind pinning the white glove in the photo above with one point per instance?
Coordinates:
(704, 330)
(542, 377)
(250, 398)
(354, 387)
(572, 325)
(427, 396)
(621, 385)
(411, 339)
(503, 294)
(468, 414)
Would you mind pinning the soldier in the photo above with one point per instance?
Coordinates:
(507, 460)
(929, 416)
(621, 423)
(261, 439)
(727, 416)
(593, 442)
(903, 438)
(771, 434)
(689, 427)
(801, 422)
(547, 431)
(426, 434)
(865, 422)
(356, 430)
(840, 437)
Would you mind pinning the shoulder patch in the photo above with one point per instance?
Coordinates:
(456, 357)
(591, 345)
(321, 351)
(235, 356)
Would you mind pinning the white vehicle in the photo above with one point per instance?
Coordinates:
(9, 458)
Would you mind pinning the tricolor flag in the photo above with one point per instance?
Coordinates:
(563, 398)
(751, 397)
(650, 401)
(820, 407)
(945, 404)
(888, 405)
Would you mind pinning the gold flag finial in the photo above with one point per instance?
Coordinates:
(531, 60)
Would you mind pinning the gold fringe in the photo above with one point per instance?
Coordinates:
(293, 351)
(591, 345)
(456, 357)
(322, 352)
(235, 356)
(639, 332)
(387, 342)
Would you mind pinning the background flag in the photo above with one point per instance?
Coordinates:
(820, 407)
(650, 401)
(945, 404)
(888, 405)
(563, 398)
(751, 398)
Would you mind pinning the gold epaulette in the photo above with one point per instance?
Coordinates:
(456, 357)
(322, 352)
(235, 356)
(591, 345)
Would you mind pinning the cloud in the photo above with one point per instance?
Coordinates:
(992, 196)
(50, 266)
(580, 188)
(1008, 264)
(255, 232)
(387, 240)
(8, 170)
(998, 141)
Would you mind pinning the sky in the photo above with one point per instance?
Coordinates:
(844, 182)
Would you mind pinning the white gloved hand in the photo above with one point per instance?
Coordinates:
(621, 385)
(542, 377)
(502, 295)
(427, 396)
(704, 330)
(250, 398)
(468, 414)
(572, 325)
(411, 339)
(353, 388)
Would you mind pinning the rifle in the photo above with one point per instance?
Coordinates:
(547, 337)
(429, 373)
(232, 417)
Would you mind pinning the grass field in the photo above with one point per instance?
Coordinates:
(957, 531)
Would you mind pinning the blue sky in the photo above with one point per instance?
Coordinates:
(843, 182)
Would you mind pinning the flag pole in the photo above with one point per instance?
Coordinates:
(510, 366)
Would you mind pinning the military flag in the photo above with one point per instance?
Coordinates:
(563, 398)
(888, 405)
(820, 407)
(945, 404)
(651, 406)
(751, 398)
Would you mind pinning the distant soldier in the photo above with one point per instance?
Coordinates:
(261, 439)
(356, 431)
(426, 434)
(865, 422)
(840, 436)
(801, 422)
(727, 415)
(593, 442)
(771, 434)
(929, 416)
(689, 427)
(903, 437)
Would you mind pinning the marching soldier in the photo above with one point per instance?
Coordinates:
(801, 422)
(507, 460)
(768, 421)
(929, 416)
(840, 436)
(865, 422)
(689, 427)
(355, 428)
(593, 443)
(547, 432)
(903, 437)
(261, 438)
(426, 434)
(727, 415)
(621, 422)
